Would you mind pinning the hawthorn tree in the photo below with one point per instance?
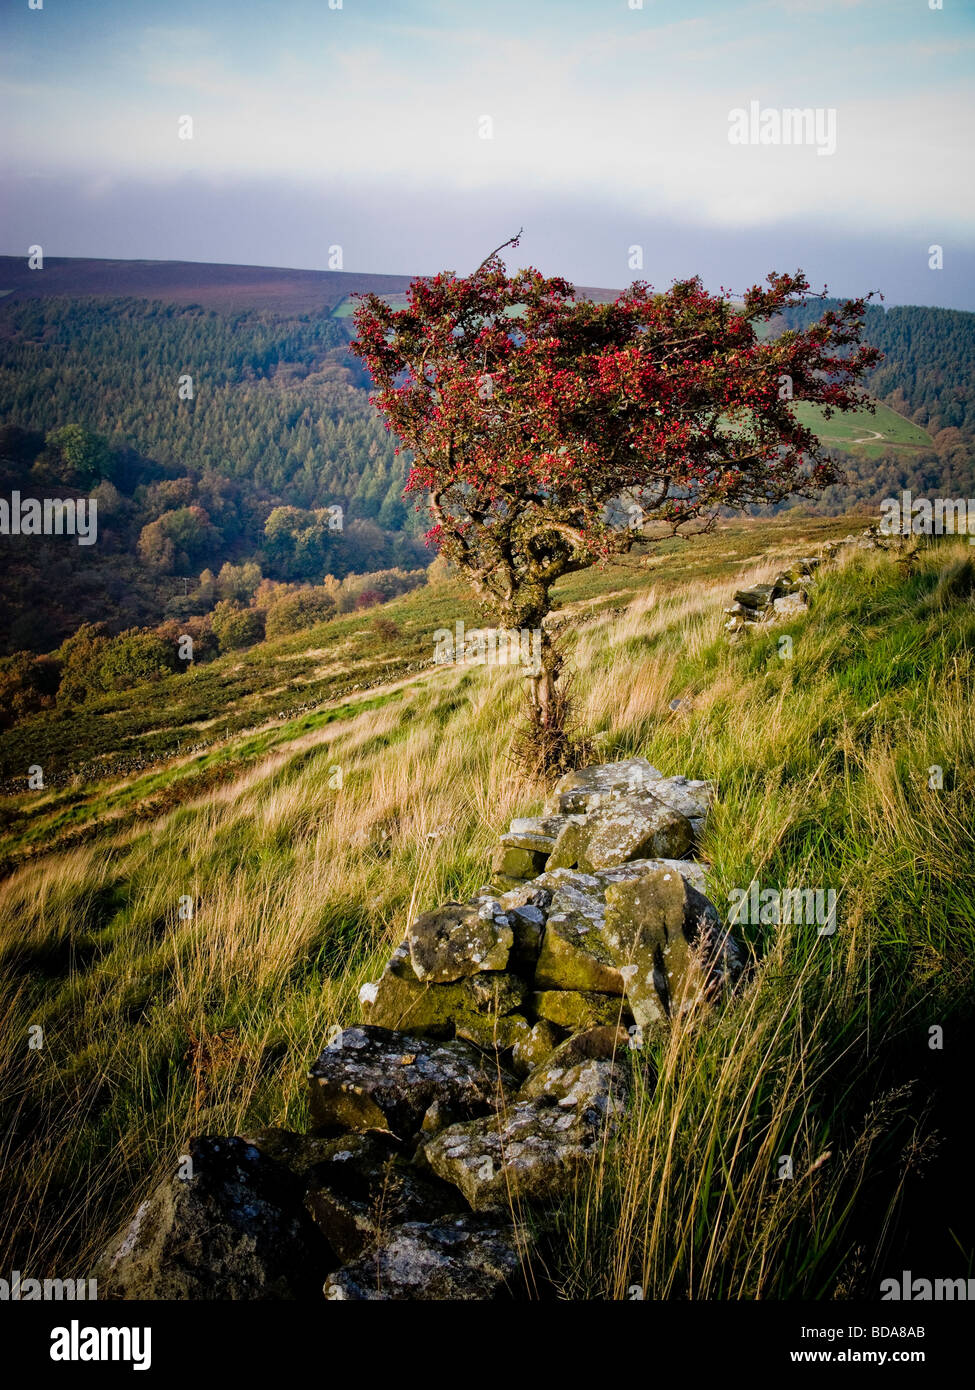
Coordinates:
(550, 432)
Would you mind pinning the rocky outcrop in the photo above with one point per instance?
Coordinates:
(633, 827)
(490, 1071)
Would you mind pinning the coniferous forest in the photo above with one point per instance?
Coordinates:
(246, 487)
(274, 460)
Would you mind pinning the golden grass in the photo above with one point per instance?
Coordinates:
(157, 1027)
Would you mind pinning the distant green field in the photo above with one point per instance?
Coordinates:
(871, 433)
(858, 432)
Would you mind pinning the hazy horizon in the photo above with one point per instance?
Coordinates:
(416, 135)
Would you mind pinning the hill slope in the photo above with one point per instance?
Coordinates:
(304, 863)
(227, 289)
(278, 416)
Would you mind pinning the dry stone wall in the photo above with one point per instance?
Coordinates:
(788, 593)
(490, 1069)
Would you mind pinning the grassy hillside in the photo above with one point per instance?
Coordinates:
(190, 722)
(224, 288)
(861, 433)
(328, 829)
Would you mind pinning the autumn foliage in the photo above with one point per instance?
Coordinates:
(551, 432)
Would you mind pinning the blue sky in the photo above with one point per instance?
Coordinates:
(362, 127)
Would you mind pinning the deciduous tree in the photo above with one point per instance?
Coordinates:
(550, 431)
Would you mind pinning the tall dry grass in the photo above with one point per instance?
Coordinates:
(157, 1024)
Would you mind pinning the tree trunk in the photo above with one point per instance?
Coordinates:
(544, 749)
(543, 683)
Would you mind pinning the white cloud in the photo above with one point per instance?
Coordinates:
(636, 113)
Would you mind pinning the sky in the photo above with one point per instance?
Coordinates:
(417, 135)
